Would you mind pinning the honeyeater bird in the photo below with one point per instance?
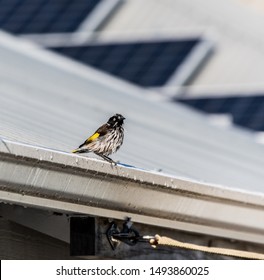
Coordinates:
(106, 140)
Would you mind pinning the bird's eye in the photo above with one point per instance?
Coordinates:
(114, 119)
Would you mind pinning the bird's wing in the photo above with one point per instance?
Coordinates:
(101, 131)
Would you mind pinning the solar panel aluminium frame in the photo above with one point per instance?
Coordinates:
(93, 21)
(190, 66)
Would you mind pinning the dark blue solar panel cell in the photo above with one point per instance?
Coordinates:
(72, 52)
(199, 104)
(204, 104)
(218, 107)
(144, 63)
(7, 10)
(257, 120)
(249, 115)
(188, 102)
(223, 105)
(44, 16)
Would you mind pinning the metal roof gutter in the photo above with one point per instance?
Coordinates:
(58, 181)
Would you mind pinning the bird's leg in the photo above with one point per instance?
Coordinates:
(107, 158)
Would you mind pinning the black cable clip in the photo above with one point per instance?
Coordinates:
(128, 235)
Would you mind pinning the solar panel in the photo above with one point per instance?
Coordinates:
(247, 111)
(148, 64)
(44, 16)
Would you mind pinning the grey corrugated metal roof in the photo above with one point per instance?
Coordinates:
(53, 102)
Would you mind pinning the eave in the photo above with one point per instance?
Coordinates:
(58, 181)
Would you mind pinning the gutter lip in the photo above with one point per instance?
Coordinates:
(167, 182)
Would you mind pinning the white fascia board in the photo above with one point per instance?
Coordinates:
(58, 181)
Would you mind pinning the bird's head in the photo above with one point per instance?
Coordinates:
(116, 120)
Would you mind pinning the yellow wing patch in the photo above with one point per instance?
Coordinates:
(93, 137)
